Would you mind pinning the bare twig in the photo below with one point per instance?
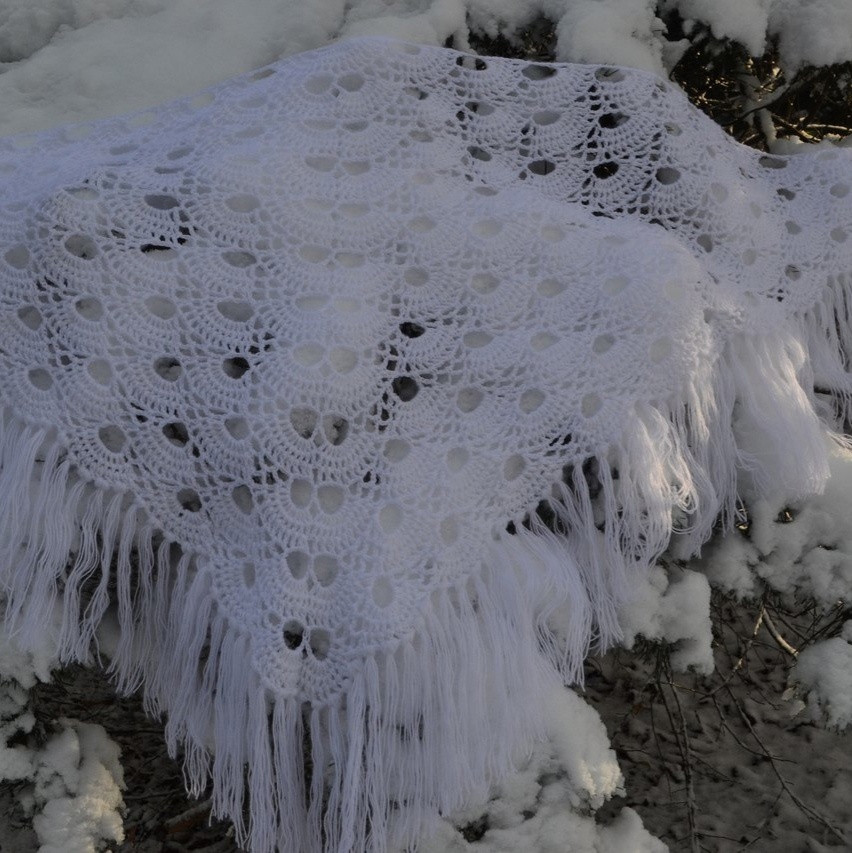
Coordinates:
(803, 807)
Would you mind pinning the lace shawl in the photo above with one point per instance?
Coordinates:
(359, 391)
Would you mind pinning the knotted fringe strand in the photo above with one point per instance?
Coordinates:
(428, 723)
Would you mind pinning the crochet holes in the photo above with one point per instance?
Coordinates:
(189, 500)
(249, 575)
(301, 493)
(472, 63)
(176, 433)
(405, 388)
(294, 634)
(667, 175)
(161, 307)
(531, 400)
(541, 167)
(322, 163)
(416, 92)
(239, 312)
(168, 368)
(322, 569)
(343, 360)
(40, 379)
(161, 202)
(309, 354)
(240, 260)
(242, 203)
(298, 562)
(241, 495)
(487, 227)
(605, 170)
(468, 399)
(609, 121)
(551, 287)
(787, 195)
(237, 428)
(837, 234)
(319, 642)
(351, 82)
(304, 421)
(478, 153)
(325, 569)
(477, 339)
(112, 438)
(411, 330)
(840, 190)
(335, 429)
(81, 246)
(390, 518)
(705, 241)
(590, 405)
(330, 498)
(457, 458)
(772, 163)
(396, 450)
(602, 343)
(542, 340)
(83, 193)
(382, 592)
(484, 283)
(415, 276)
(89, 308)
(318, 84)
(539, 72)
(100, 371)
(235, 367)
(719, 192)
(17, 257)
(30, 317)
(514, 467)
(546, 117)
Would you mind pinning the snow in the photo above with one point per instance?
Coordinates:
(19, 671)
(75, 60)
(825, 671)
(803, 546)
(76, 777)
(818, 32)
(622, 32)
(78, 782)
(543, 808)
(672, 606)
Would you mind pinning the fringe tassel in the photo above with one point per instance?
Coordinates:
(421, 727)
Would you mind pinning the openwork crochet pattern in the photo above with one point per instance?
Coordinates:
(360, 389)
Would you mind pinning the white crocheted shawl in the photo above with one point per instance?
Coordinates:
(363, 388)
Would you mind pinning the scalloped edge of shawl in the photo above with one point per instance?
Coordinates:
(424, 726)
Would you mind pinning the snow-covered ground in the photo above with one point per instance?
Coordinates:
(74, 60)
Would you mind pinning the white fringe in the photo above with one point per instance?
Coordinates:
(421, 727)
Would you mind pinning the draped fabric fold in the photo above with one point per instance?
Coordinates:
(360, 391)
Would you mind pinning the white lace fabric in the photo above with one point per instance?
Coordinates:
(360, 388)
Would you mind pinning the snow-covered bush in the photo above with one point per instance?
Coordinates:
(68, 782)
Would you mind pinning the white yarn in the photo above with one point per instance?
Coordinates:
(343, 379)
